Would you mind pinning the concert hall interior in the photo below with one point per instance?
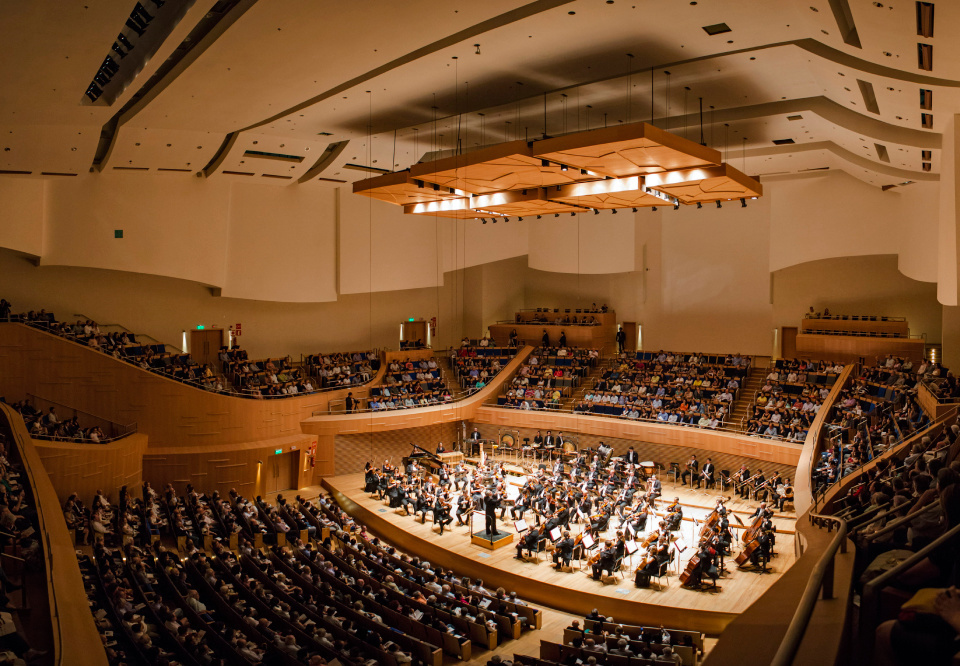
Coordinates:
(525, 332)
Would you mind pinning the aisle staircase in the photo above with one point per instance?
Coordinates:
(744, 401)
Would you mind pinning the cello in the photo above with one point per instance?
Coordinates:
(688, 573)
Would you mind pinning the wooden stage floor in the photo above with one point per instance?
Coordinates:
(577, 593)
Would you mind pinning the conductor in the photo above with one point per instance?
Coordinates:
(491, 502)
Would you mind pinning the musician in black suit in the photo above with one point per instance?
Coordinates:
(707, 474)
(474, 440)
(760, 486)
(563, 551)
(693, 469)
(606, 562)
(491, 502)
(530, 542)
(631, 457)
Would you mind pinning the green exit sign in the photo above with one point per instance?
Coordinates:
(411, 319)
(278, 452)
(200, 327)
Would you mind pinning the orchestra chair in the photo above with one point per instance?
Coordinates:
(618, 568)
(675, 471)
(724, 474)
(663, 572)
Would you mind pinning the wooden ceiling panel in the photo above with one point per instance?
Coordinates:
(605, 194)
(692, 186)
(505, 166)
(626, 150)
(458, 209)
(399, 188)
(529, 202)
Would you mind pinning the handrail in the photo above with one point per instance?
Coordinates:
(869, 602)
(821, 579)
(64, 582)
(117, 430)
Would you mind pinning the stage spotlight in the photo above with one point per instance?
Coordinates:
(743, 202)
(654, 209)
(614, 211)
(719, 205)
(563, 167)
(483, 219)
(538, 217)
(699, 205)
(556, 214)
(676, 205)
(596, 212)
(634, 210)
(519, 219)
(573, 214)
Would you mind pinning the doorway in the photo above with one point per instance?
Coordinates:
(282, 473)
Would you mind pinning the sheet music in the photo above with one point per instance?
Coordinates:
(631, 546)
(520, 525)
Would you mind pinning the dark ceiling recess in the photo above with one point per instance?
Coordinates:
(927, 166)
(926, 155)
(882, 154)
(926, 119)
(925, 19)
(869, 97)
(925, 56)
(273, 156)
(926, 99)
(783, 142)
(844, 18)
(716, 29)
(221, 16)
(796, 117)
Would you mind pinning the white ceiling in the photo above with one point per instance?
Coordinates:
(292, 76)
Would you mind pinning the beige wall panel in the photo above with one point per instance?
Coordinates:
(856, 285)
(282, 244)
(22, 211)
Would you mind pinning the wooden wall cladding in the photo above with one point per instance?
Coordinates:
(664, 454)
(171, 413)
(221, 468)
(699, 439)
(351, 452)
(85, 468)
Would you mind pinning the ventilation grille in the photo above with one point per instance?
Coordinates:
(783, 142)
(238, 173)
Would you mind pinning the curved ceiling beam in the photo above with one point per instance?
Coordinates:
(846, 155)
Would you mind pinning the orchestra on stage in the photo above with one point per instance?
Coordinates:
(615, 502)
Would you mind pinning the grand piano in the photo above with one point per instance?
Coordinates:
(430, 460)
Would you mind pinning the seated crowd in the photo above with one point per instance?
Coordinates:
(263, 378)
(695, 389)
(790, 398)
(904, 503)
(549, 374)
(878, 410)
(49, 425)
(295, 582)
(410, 383)
(343, 369)
(475, 363)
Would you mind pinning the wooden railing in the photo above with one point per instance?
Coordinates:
(74, 631)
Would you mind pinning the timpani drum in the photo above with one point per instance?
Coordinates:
(649, 468)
